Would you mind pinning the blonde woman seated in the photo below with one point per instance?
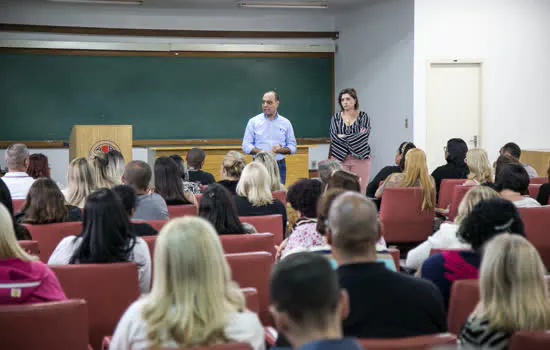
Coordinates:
(102, 178)
(193, 301)
(80, 182)
(513, 294)
(254, 196)
(268, 160)
(415, 175)
(445, 237)
(115, 165)
(232, 167)
(480, 168)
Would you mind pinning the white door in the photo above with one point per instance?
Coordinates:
(453, 108)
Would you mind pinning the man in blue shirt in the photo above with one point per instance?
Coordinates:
(269, 131)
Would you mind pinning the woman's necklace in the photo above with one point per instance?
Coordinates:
(349, 119)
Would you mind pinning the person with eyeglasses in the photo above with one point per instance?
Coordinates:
(269, 131)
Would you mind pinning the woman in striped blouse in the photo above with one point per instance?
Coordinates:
(349, 136)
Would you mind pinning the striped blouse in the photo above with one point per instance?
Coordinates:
(354, 142)
(477, 332)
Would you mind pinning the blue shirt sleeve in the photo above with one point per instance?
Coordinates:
(248, 139)
(290, 139)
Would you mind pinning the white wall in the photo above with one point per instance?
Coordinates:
(511, 38)
(375, 56)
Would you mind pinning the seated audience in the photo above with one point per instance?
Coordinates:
(38, 166)
(17, 179)
(308, 318)
(115, 165)
(513, 185)
(23, 278)
(106, 237)
(254, 197)
(487, 219)
(344, 179)
(456, 168)
(150, 205)
(326, 169)
(511, 149)
(218, 207)
(21, 232)
(100, 163)
(513, 294)
(544, 191)
(45, 204)
(80, 182)
(232, 167)
(390, 169)
(127, 196)
(446, 237)
(195, 161)
(169, 183)
(415, 175)
(268, 160)
(479, 167)
(193, 301)
(188, 186)
(379, 307)
(303, 196)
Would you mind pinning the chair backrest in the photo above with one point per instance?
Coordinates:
(395, 254)
(17, 204)
(46, 326)
(267, 223)
(402, 217)
(537, 224)
(523, 340)
(49, 236)
(534, 190)
(280, 195)
(175, 211)
(107, 288)
(462, 301)
(151, 241)
(540, 180)
(437, 250)
(252, 301)
(446, 190)
(411, 343)
(458, 194)
(257, 242)
(253, 270)
(30, 247)
(156, 224)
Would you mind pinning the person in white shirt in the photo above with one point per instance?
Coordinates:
(106, 238)
(17, 179)
(445, 237)
(193, 301)
(512, 182)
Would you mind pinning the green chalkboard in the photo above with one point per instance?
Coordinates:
(164, 97)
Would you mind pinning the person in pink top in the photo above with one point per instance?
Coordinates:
(23, 279)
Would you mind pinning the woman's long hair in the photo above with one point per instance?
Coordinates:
(9, 248)
(45, 203)
(80, 181)
(233, 164)
(268, 160)
(456, 153)
(169, 181)
(100, 163)
(38, 166)
(254, 185)
(416, 171)
(471, 198)
(115, 165)
(513, 291)
(478, 163)
(403, 150)
(106, 235)
(217, 206)
(193, 291)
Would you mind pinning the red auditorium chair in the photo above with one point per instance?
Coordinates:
(537, 228)
(49, 236)
(534, 340)
(253, 270)
(108, 290)
(401, 216)
(280, 195)
(156, 224)
(175, 211)
(267, 223)
(534, 190)
(17, 204)
(46, 326)
(541, 180)
(458, 194)
(411, 343)
(30, 247)
(396, 256)
(151, 241)
(446, 190)
(242, 243)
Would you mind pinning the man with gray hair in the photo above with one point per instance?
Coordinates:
(383, 303)
(17, 179)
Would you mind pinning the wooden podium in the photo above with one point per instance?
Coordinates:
(538, 159)
(87, 139)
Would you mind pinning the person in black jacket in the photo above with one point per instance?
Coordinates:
(456, 168)
(390, 169)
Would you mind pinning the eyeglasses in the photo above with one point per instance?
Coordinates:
(267, 102)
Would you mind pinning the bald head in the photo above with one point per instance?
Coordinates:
(353, 223)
